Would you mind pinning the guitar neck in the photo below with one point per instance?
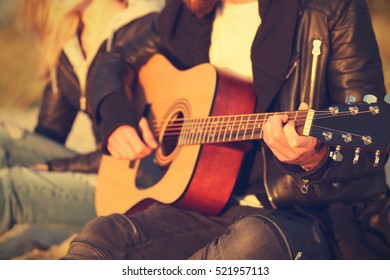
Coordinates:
(231, 128)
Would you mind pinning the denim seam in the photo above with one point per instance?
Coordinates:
(281, 233)
(105, 253)
(133, 226)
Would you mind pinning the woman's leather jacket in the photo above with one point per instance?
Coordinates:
(61, 102)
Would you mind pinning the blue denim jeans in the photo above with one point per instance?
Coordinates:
(165, 232)
(38, 208)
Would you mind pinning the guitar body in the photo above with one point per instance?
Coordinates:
(195, 177)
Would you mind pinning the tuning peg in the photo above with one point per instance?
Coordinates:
(354, 110)
(367, 140)
(347, 137)
(327, 135)
(357, 155)
(374, 110)
(370, 98)
(377, 158)
(336, 155)
(334, 110)
(350, 99)
(387, 98)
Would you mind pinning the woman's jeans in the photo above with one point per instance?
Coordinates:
(165, 232)
(38, 208)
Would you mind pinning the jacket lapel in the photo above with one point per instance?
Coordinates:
(272, 48)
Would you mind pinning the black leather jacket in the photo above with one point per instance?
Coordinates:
(59, 109)
(348, 64)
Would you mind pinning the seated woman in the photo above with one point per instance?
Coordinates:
(46, 189)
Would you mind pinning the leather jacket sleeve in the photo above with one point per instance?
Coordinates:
(114, 74)
(56, 115)
(86, 163)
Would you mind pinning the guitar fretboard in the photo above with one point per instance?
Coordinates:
(221, 129)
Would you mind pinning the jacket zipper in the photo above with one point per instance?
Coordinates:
(292, 68)
(316, 52)
(82, 98)
(67, 71)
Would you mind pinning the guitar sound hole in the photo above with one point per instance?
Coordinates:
(171, 134)
(153, 167)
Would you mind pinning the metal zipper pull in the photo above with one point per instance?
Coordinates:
(316, 48)
(298, 256)
(305, 186)
(82, 73)
(316, 52)
(83, 103)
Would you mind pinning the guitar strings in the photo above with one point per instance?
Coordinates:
(199, 139)
(303, 116)
(175, 128)
(206, 126)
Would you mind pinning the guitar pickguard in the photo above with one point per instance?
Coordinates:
(149, 173)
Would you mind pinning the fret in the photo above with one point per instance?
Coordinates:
(254, 126)
(200, 130)
(227, 125)
(232, 128)
(205, 130)
(246, 127)
(210, 135)
(220, 129)
(215, 127)
(181, 135)
(187, 130)
(296, 115)
(193, 126)
(262, 127)
(192, 131)
(238, 128)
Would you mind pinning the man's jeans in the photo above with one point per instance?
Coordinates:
(38, 208)
(165, 232)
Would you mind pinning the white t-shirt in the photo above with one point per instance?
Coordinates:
(234, 30)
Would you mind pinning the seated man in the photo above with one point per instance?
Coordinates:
(300, 54)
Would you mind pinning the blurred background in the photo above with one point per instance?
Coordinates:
(20, 88)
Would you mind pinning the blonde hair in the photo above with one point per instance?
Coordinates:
(52, 27)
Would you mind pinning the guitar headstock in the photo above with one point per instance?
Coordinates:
(360, 125)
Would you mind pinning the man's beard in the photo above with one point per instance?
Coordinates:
(200, 7)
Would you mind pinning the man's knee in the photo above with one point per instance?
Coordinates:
(253, 237)
(104, 238)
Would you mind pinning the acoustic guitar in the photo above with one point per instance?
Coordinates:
(203, 120)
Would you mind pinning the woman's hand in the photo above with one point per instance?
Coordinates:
(288, 146)
(124, 142)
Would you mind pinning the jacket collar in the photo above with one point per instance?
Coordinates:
(73, 49)
(272, 48)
